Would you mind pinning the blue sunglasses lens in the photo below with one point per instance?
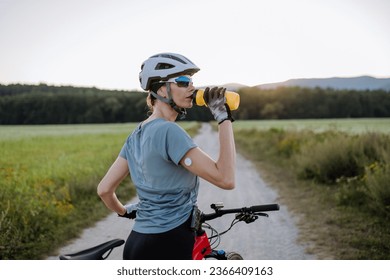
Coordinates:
(183, 81)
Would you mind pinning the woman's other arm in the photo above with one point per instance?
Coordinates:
(107, 186)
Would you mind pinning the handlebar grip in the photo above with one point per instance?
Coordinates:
(131, 215)
(264, 208)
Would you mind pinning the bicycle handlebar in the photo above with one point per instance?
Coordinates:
(249, 213)
(253, 209)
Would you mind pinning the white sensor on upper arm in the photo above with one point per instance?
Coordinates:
(187, 161)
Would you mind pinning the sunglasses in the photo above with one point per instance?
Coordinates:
(181, 81)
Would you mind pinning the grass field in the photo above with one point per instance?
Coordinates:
(320, 125)
(32, 131)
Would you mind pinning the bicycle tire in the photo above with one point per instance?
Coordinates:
(233, 256)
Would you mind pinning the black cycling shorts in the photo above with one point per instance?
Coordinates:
(176, 244)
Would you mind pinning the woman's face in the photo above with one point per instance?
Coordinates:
(182, 90)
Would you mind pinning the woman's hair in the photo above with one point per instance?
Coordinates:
(150, 101)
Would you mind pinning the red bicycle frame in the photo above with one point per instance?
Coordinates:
(201, 247)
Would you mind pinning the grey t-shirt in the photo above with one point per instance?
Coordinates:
(166, 190)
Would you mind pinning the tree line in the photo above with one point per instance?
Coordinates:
(44, 104)
(307, 103)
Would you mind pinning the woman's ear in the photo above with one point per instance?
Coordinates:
(162, 91)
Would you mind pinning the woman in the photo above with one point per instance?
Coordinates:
(164, 163)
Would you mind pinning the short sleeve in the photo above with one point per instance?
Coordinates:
(122, 153)
(178, 143)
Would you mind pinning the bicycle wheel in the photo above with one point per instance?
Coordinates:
(233, 256)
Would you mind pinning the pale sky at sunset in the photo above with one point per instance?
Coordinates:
(103, 43)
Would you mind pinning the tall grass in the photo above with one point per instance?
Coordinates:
(357, 165)
(353, 170)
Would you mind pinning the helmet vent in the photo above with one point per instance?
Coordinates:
(161, 66)
(174, 57)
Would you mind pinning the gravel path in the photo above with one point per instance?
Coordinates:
(271, 238)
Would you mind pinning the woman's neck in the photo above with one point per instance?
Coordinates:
(163, 112)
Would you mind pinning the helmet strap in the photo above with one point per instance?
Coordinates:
(159, 97)
(181, 111)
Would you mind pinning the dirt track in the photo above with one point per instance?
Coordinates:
(271, 238)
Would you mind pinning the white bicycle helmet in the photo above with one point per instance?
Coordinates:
(161, 67)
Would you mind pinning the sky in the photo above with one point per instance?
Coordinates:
(103, 43)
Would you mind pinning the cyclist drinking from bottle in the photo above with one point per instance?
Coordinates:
(165, 164)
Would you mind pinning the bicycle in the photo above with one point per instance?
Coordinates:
(205, 246)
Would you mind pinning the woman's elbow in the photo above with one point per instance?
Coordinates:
(227, 184)
(102, 191)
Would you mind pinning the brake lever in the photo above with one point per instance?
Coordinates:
(247, 217)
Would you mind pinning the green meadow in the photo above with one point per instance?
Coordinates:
(321, 125)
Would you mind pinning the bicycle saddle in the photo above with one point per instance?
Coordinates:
(95, 253)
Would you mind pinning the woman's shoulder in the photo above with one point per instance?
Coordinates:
(164, 124)
(168, 129)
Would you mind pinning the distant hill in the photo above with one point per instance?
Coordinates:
(234, 86)
(356, 83)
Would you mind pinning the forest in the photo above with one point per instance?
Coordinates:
(46, 104)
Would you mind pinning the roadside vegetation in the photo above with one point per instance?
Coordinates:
(338, 183)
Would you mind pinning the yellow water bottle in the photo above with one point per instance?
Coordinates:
(232, 99)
